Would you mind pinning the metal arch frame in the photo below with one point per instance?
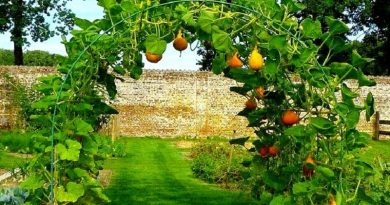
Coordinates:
(53, 119)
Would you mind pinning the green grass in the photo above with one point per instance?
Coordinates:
(8, 161)
(376, 149)
(155, 172)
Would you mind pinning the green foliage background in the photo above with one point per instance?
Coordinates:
(31, 58)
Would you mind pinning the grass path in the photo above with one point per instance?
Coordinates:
(155, 172)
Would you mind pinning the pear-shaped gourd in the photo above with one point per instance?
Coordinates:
(234, 61)
(256, 61)
(153, 58)
(180, 43)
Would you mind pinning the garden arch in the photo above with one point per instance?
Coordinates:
(320, 140)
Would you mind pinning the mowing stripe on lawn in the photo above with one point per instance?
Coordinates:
(155, 172)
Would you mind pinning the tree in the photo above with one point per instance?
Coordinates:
(376, 43)
(367, 17)
(358, 13)
(208, 54)
(27, 18)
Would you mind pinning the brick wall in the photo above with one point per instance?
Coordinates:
(183, 103)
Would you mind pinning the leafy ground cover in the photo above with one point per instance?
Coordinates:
(154, 171)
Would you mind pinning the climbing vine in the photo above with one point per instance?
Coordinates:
(303, 111)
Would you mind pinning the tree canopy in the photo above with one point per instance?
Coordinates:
(24, 18)
(366, 17)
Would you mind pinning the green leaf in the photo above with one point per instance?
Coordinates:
(82, 127)
(317, 77)
(82, 23)
(72, 193)
(337, 44)
(188, 19)
(221, 40)
(129, 6)
(369, 105)
(219, 64)
(155, 45)
(344, 71)
(278, 42)
(107, 4)
(241, 90)
(103, 108)
(69, 152)
(244, 76)
(352, 118)
(281, 200)
(136, 72)
(336, 26)
(302, 188)
(274, 181)
(304, 56)
(205, 21)
(33, 182)
(239, 141)
(120, 70)
(271, 68)
(321, 123)
(82, 107)
(296, 131)
(90, 146)
(359, 61)
(364, 81)
(293, 5)
(115, 10)
(265, 197)
(278, 200)
(325, 171)
(81, 173)
(99, 193)
(346, 91)
(311, 28)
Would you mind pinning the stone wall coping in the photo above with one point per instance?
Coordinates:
(146, 70)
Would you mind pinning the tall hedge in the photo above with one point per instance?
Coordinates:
(31, 58)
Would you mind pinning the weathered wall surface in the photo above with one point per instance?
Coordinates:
(172, 103)
(26, 76)
(181, 103)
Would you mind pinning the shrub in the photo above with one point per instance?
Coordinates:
(109, 148)
(41, 58)
(31, 58)
(17, 142)
(6, 57)
(220, 163)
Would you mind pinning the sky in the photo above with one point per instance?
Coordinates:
(88, 9)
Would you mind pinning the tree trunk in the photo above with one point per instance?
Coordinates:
(17, 31)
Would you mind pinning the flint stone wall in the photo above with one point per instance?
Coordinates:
(179, 103)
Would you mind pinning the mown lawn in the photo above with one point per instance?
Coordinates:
(156, 172)
(8, 161)
(376, 149)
